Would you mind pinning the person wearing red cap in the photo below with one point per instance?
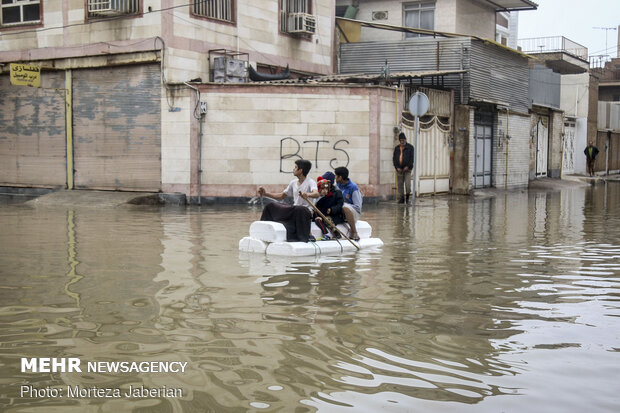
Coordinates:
(330, 204)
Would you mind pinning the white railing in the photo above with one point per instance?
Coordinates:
(553, 44)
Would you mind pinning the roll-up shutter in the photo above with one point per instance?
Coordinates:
(32, 133)
(117, 132)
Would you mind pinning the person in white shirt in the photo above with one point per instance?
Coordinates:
(296, 218)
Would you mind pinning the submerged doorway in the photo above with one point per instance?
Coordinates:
(483, 144)
(542, 145)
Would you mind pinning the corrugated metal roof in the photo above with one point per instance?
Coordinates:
(366, 78)
(392, 76)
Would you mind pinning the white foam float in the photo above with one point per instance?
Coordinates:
(269, 237)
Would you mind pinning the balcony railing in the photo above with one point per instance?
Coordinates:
(553, 44)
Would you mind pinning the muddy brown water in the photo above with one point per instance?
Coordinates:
(501, 304)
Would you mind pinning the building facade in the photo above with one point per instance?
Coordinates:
(116, 81)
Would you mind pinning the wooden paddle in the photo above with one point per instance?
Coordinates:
(328, 221)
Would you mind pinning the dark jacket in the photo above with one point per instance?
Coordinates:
(333, 201)
(407, 156)
(594, 152)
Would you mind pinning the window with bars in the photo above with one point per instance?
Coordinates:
(288, 7)
(17, 12)
(223, 10)
(420, 15)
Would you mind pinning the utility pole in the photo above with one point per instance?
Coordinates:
(607, 29)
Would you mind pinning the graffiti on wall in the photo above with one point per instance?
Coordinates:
(291, 148)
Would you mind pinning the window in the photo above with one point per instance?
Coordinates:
(215, 9)
(15, 12)
(292, 6)
(419, 15)
(112, 8)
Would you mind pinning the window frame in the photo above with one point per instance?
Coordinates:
(138, 13)
(21, 24)
(418, 7)
(233, 14)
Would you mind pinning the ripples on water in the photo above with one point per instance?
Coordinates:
(498, 304)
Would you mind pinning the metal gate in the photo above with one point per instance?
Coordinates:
(568, 147)
(433, 158)
(117, 128)
(483, 143)
(33, 147)
(542, 145)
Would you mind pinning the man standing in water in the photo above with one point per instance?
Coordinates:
(591, 151)
(403, 163)
(296, 218)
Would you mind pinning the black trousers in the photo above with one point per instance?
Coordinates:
(296, 219)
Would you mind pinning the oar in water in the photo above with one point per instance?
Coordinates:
(328, 221)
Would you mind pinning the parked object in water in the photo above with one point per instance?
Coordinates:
(269, 237)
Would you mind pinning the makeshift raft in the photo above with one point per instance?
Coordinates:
(269, 237)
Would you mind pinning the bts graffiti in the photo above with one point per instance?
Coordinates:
(291, 148)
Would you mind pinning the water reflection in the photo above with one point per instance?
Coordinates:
(471, 301)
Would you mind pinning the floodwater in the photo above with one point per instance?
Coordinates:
(502, 304)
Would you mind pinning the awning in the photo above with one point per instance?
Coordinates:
(512, 5)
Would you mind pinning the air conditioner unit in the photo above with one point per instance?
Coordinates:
(301, 23)
(111, 7)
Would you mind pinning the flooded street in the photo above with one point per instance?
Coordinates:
(500, 304)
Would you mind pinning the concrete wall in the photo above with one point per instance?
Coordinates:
(474, 18)
(454, 16)
(574, 95)
(252, 134)
(463, 119)
(176, 150)
(593, 109)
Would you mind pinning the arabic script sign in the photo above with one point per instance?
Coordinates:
(25, 75)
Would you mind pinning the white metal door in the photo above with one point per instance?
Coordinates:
(433, 158)
(482, 163)
(542, 145)
(568, 148)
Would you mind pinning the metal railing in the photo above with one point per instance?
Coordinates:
(553, 44)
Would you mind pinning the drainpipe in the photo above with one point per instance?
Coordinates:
(507, 142)
(461, 77)
(607, 152)
(69, 127)
(200, 122)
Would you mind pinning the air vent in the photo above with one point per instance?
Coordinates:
(301, 23)
(379, 15)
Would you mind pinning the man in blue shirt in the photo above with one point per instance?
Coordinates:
(352, 207)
